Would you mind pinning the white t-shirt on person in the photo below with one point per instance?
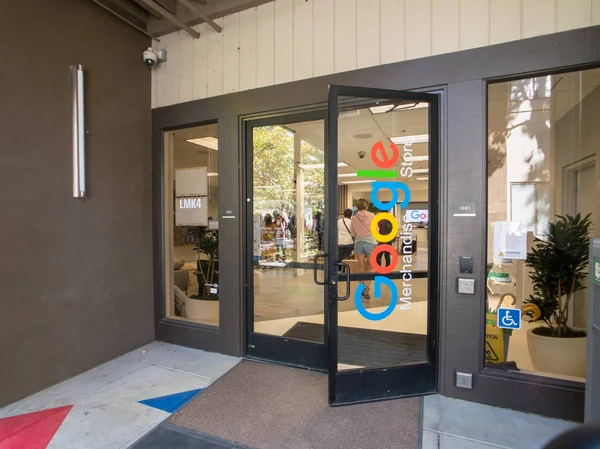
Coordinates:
(344, 237)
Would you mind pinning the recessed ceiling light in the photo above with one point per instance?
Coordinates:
(363, 136)
(317, 166)
(358, 182)
(417, 159)
(381, 109)
(411, 106)
(208, 142)
(423, 179)
(347, 175)
(417, 138)
(391, 107)
(212, 173)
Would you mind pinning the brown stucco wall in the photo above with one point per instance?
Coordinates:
(75, 275)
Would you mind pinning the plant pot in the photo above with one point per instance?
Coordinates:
(558, 355)
(201, 309)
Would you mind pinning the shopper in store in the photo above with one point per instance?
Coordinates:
(364, 242)
(345, 240)
(385, 227)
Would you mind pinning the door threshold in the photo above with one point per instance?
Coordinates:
(276, 362)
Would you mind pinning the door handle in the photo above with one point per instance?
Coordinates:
(323, 255)
(347, 267)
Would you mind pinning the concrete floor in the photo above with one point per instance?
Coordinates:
(106, 411)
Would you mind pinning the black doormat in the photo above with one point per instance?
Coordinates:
(170, 436)
(367, 347)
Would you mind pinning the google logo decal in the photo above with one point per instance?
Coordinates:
(385, 161)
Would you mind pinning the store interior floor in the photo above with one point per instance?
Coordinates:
(284, 297)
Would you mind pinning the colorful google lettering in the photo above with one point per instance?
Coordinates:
(385, 161)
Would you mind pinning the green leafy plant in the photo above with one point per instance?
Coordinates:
(207, 269)
(559, 268)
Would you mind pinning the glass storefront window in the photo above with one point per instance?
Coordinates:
(542, 165)
(288, 224)
(191, 224)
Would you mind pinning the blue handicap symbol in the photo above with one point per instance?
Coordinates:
(509, 318)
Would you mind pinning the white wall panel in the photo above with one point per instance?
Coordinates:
(248, 49)
(505, 21)
(200, 63)
(215, 61)
(367, 33)
(303, 39)
(445, 26)
(474, 23)
(539, 17)
(571, 14)
(231, 53)
(284, 41)
(186, 66)
(295, 39)
(323, 39)
(265, 45)
(418, 28)
(392, 31)
(171, 72)
(345, 35)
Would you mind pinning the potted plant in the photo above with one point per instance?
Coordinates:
(558, 269)
(204, 305)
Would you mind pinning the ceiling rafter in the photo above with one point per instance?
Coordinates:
(195, 9)
(168, 16)
(156, 18)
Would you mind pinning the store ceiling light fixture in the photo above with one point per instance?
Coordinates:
(417, 138)
(359, 182)
(212, 173)
(423, 179)
(392, 107)
(417, 159)
(317, 166)
(208, 142)
(347, 175)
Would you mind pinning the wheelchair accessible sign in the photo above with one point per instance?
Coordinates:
(509, 318)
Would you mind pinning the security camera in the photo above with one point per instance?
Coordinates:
(361, 154)
(153, 57)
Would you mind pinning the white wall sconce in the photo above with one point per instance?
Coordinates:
(78, 124)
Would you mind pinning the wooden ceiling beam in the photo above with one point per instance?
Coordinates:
(168, 17)
(196, 10)
(213, 10)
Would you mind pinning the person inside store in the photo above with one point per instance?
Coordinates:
(364, 242)
(319, 228)
(385, 227)
(268, 238)
(345, 240)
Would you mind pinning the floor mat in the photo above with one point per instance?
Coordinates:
(368, 347)
(267, 406)
(170, 436)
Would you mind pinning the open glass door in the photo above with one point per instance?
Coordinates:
(382, 147)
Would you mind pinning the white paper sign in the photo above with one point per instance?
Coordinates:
(191, 211)
(191, 181)
(510, 240)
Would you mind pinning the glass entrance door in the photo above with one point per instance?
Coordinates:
(382, 147)
(286, 209)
